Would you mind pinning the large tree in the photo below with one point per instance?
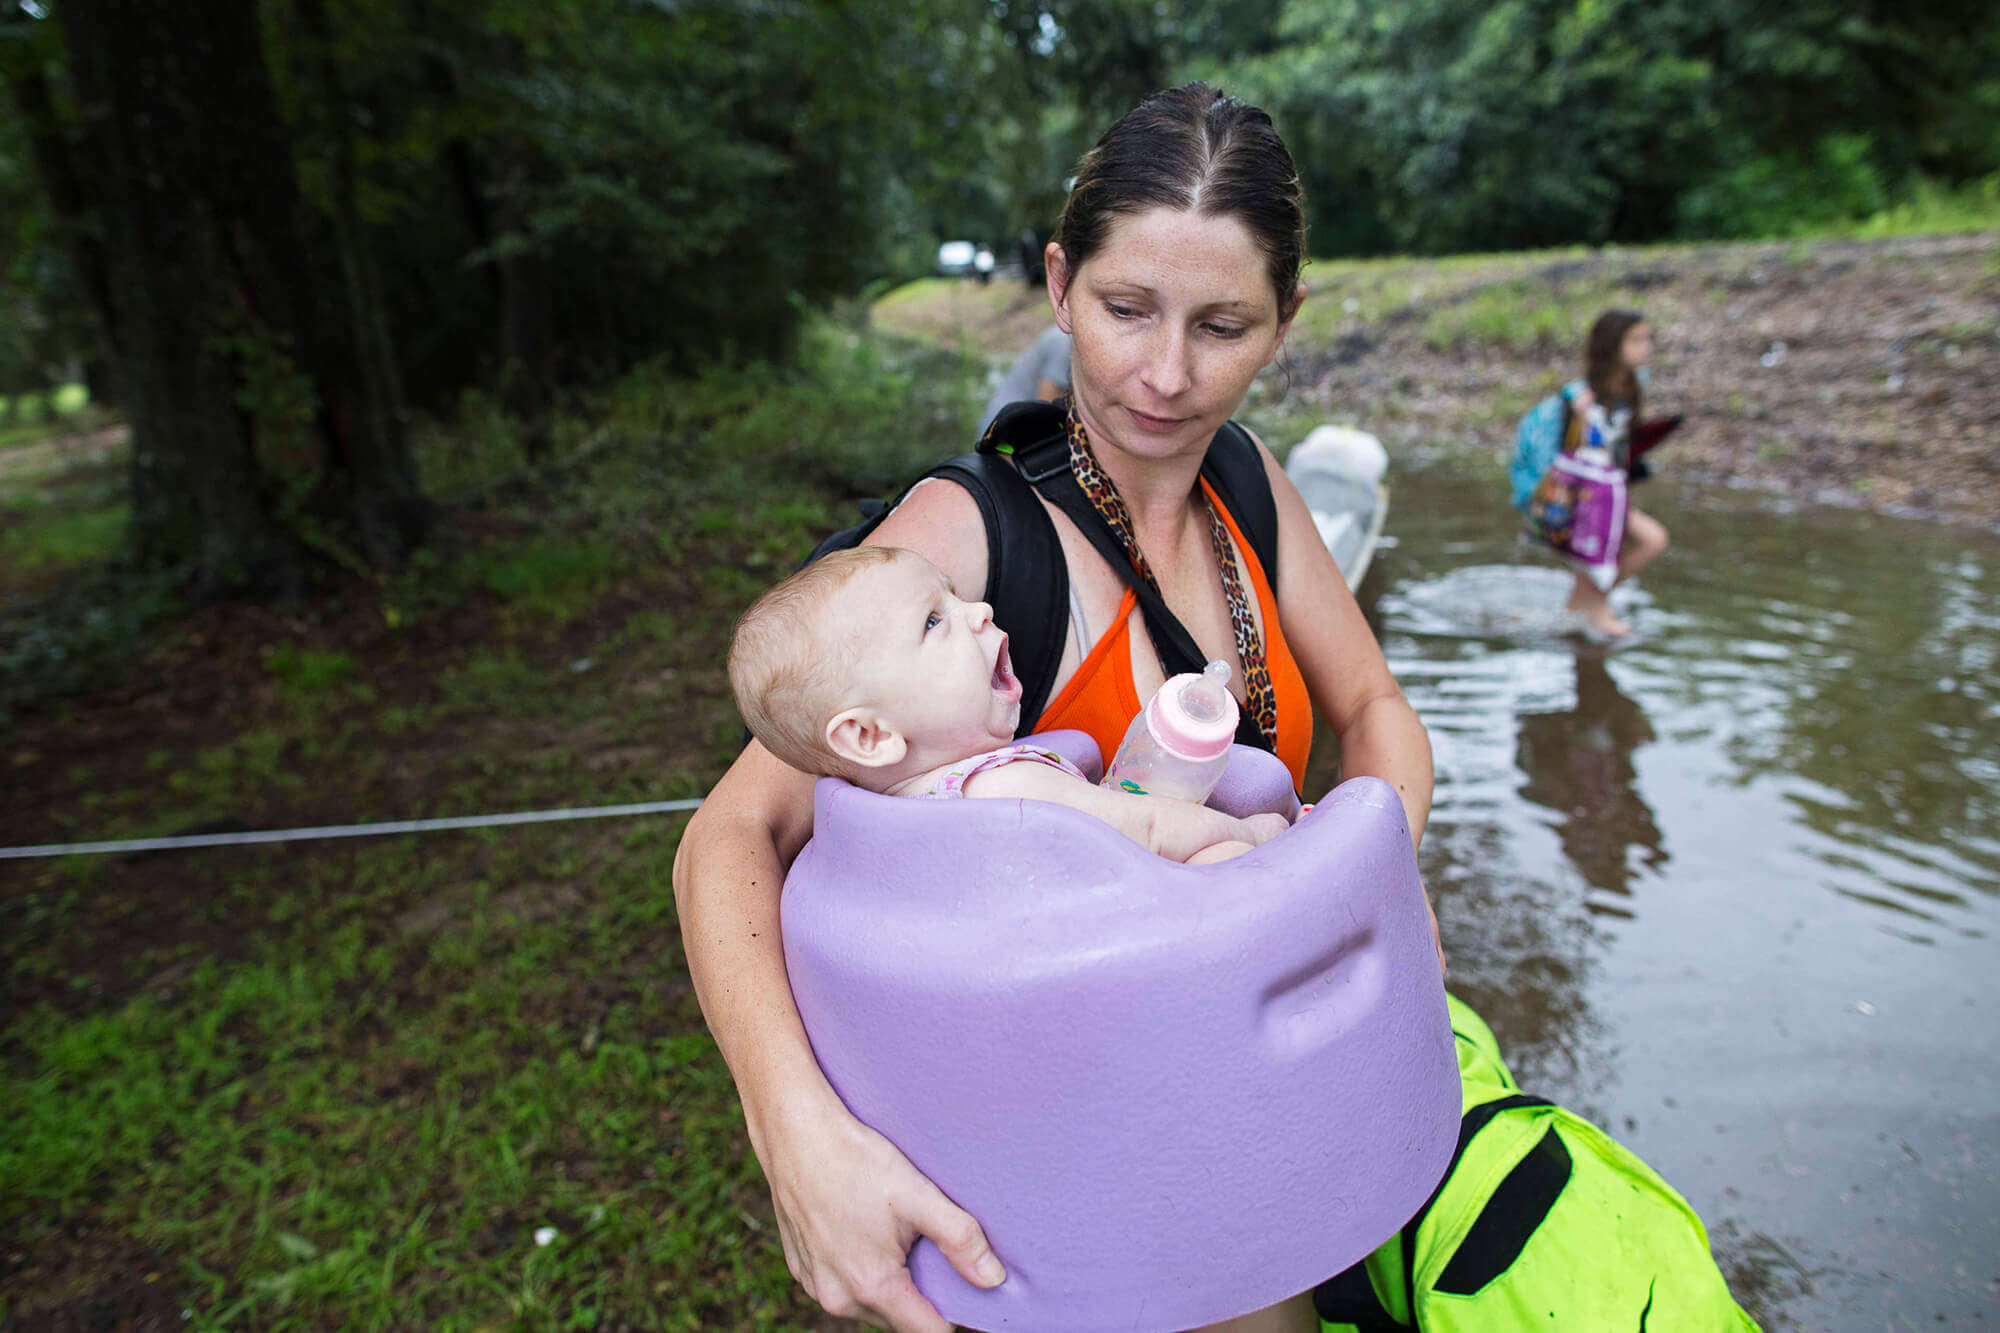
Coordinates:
(259, 407)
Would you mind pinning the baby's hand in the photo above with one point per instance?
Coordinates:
(1260, 829)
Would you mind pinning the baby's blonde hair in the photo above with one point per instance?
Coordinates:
(791, 669)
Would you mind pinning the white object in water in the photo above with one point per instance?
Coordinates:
(1339, 471)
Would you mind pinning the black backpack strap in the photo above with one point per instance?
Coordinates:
(1513, 1211)
(1235, 468)
(1032, 434)
(1506, 1221)
(1027, 581)
(1177, 650)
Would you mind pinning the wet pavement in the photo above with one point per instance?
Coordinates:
(1731, 889)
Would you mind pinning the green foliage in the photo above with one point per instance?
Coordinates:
(1520, 314)
(556, 578)
(1445, 125)
(303, 672)
(670, 177)
(1788, 195)
(1931, 207)
(277, 396)
(63, 538)
(25, 417)
(91, 624)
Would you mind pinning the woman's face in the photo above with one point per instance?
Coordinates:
(1637, 348)
(1170, 321)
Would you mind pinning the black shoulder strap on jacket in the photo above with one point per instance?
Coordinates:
(1349, 1297)
(1478, 1118)
(1507, 1218)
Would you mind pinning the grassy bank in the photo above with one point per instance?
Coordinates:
(1859, 371)
(455, 1082)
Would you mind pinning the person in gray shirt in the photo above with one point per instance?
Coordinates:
(1041, 372)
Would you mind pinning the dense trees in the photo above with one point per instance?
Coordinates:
(1440, 125)
(281, 225)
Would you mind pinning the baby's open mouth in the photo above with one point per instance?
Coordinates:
(1004, 680)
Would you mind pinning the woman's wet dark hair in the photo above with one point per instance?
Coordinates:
(1196, 149)
(1604, 368)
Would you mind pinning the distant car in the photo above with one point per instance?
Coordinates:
(958, 259)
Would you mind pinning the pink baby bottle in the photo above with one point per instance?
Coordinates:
(1179, 743)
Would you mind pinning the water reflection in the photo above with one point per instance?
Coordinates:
(1578, 763)
(1731, 890)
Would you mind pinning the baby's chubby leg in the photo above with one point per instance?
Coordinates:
(1295, 1315)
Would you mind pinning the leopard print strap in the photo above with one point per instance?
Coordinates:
(1259, 698)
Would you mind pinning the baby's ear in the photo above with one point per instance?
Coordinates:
(865, 739)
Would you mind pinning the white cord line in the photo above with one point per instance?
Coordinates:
(345, 830)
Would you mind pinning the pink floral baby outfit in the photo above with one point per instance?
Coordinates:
(951, 782)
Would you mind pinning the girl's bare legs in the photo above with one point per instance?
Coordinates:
(1289, 1316)
(1645, 539)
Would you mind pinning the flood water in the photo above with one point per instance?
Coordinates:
(1732, 890)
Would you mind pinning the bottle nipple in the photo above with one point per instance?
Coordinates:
(1206, 698)
(1194, 717)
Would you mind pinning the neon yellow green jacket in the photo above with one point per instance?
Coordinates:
(1543, 1221)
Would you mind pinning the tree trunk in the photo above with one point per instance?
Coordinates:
(518, 280)
(526, 344)
(211, 280)
(381, 487)
(23, 68)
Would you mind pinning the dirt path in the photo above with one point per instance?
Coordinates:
(60, 453)
(1850, 372)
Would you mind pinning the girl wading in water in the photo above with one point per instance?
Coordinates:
(1615, 356)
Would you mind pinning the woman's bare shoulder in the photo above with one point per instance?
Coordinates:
(940, 521)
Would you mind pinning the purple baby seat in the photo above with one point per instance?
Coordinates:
(1170, 1094)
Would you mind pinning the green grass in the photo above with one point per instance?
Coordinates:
(26, 418)
(354, 1084)
(366, 1127)
(1518, 315)
(1930, 209)
(63, 538)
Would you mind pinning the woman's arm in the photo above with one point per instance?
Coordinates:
(849, 1205)
(1345, 672)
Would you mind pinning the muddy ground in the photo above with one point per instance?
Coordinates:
(1850, 372)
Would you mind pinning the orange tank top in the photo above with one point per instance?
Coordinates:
(1101, 700)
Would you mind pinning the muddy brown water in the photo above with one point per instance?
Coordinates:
(1731, 889)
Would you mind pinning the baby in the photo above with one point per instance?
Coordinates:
(866, 666)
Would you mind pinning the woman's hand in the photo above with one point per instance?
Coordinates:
(849, 1205)
(849, 1208)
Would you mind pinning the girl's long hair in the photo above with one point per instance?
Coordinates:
(1610, 379)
